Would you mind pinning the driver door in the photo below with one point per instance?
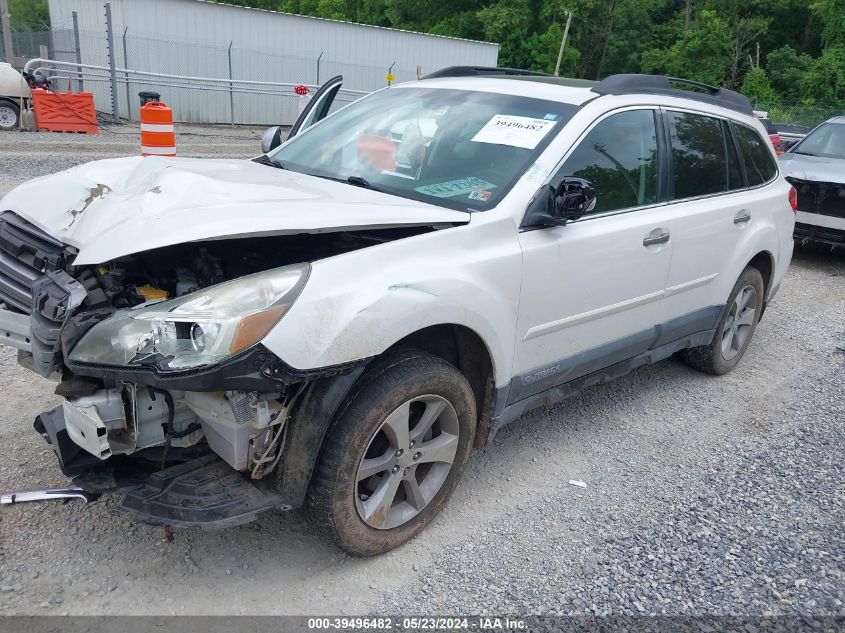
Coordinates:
(592, 291)
(318, 106)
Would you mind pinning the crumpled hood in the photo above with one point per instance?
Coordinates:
(815, 168)
(111, 208)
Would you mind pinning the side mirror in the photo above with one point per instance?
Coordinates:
(573, 198)
(555, 206)
(271, 138)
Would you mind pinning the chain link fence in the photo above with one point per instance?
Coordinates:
(27, 44)
(801, 114)
(193, 99)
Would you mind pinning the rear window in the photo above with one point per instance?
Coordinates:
(699, 158)
(759, 165)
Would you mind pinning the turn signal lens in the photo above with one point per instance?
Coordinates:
(793, 199)
(255, 327)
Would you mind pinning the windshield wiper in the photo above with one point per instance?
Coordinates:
(804, 153)
(266, 160)
(360, 181)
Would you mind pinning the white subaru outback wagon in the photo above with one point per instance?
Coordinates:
(336, 324)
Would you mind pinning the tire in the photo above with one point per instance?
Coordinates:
(347, 499)
(730, 342)
(10, 115)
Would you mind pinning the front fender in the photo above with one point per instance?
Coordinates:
(358, 304)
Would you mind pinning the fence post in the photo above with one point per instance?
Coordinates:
(110, 41)
(78, 50)
(231, 94)
(126, 66)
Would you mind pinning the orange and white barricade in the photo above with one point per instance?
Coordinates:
(158, 137)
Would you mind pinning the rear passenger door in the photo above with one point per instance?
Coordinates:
(710, 214)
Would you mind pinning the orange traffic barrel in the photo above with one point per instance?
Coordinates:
(157, 135)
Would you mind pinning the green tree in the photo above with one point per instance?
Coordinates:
(832, 14)
(824, 82)
(786, 69)
(702, 52)
(29, 15)
(757, 87)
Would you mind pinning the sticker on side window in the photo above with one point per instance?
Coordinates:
(516, 131)
(455, 187)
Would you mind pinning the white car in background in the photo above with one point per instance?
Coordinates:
(815, 166)
(337, 323)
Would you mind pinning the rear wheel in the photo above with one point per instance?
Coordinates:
(9, 115)
(394, 454)
(735, 329)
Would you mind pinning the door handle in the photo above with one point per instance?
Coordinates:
(742, 217)
(653, 240)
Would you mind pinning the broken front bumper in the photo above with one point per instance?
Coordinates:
(201, 492)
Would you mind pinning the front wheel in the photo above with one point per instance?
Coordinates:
(394, 454)
(735, 329)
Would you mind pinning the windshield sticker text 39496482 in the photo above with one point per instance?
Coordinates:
(516, 131)
(458, 187)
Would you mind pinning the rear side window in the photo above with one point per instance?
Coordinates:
(700, 160)
(759, 165)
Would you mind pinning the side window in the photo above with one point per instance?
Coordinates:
(759, 165)
(700, 161)
(619, 157)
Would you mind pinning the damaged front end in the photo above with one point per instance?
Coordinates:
(169, 396)
(145, 287)
(152, 384)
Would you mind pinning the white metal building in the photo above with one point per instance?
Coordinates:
(199, 38)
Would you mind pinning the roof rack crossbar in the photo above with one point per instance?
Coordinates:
(481, 71)
(659, 84)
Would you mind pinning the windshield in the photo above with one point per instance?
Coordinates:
(454, 148)
(826, 140)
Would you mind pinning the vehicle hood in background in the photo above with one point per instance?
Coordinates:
(814, 168)
(111, 208)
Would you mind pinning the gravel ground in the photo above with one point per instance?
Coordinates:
(703, 496)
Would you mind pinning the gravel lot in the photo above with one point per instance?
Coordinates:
(703, 495)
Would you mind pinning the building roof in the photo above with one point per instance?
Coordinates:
(369, 26)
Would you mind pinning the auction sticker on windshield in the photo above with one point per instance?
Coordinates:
(516, 131)
(455, 187)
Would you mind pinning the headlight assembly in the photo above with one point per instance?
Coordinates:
(200, 328)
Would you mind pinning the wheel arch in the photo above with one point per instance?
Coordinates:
(458, 345)
(464, 348)
(764, 261)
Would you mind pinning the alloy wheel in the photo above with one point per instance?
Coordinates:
(739, 322)
(407, 462)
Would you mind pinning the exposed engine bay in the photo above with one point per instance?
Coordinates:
(111, 413)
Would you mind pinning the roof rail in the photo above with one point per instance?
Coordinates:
(480, 71)
(661, 85)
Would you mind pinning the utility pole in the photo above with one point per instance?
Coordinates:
(6, 18)
(563, 42)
